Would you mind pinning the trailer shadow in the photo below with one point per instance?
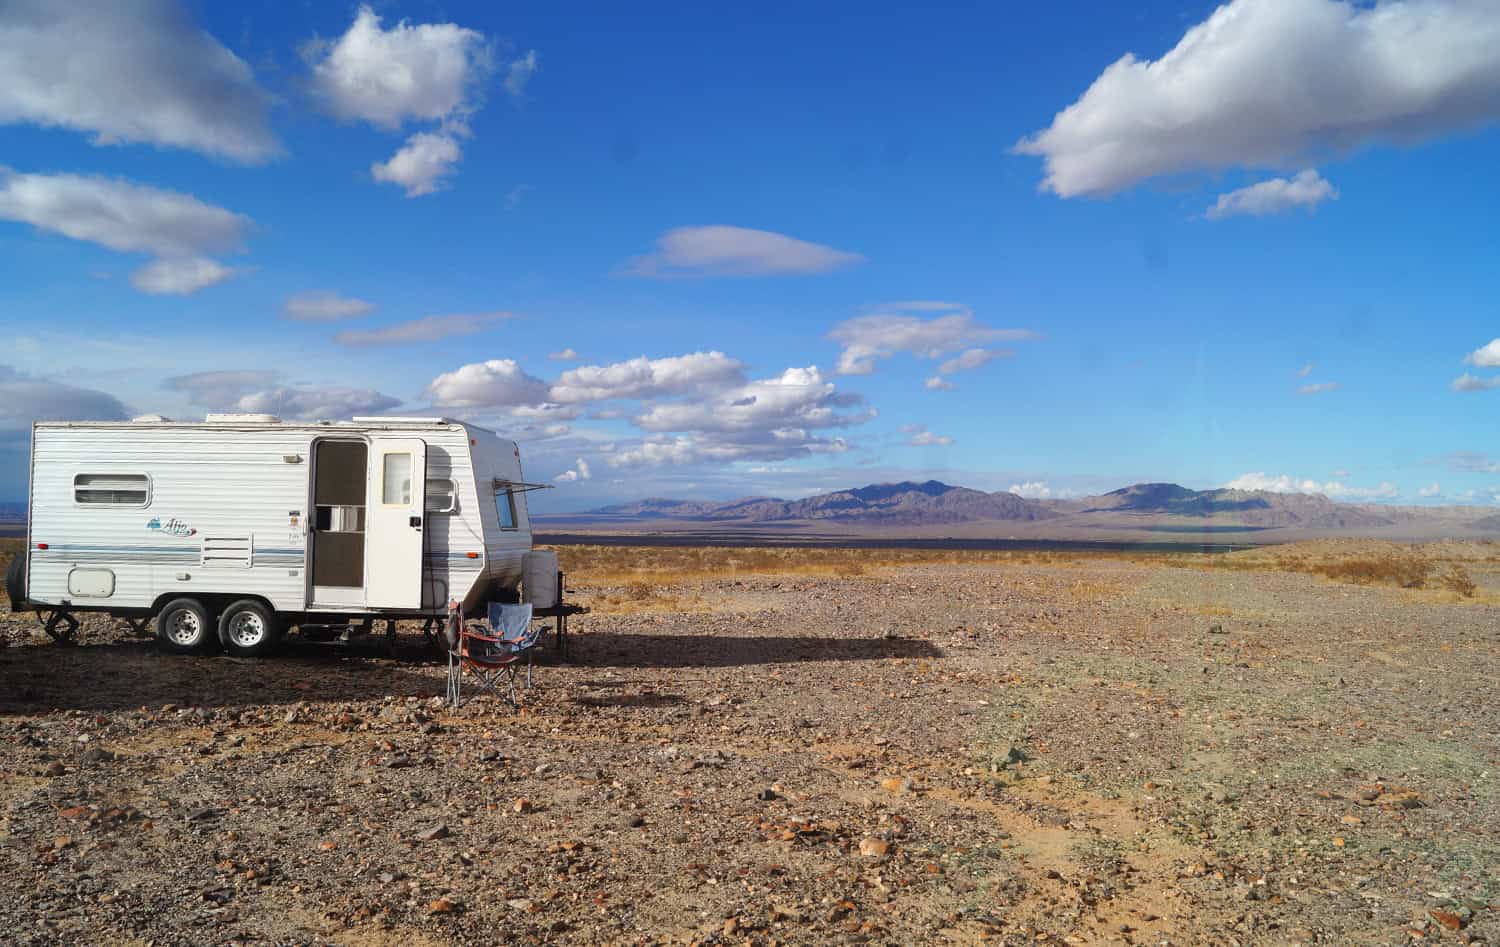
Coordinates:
(682, 651)
(127, 674)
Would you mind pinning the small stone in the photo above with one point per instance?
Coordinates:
(96, 754)
(1217, 630)
(433, 833)
(766, 795)
(519, 904)
(291, 716)
(205, 815)
(54, 768)
(874, 848)
(523, 805)
(897, 784)
(633, 821)
(442, 906)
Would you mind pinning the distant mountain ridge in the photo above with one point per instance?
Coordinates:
(910, 503)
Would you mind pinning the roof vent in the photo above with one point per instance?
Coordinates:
(242, 419)
(150, 419)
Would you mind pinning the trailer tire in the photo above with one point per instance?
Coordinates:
(15, 582)
(248, 629)
(184, 626)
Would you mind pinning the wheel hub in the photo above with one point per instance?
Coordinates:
(247, 629)
(184, 628)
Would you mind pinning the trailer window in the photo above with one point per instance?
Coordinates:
(111, 489)
(396, 485)
(442, 496)
(505, 505)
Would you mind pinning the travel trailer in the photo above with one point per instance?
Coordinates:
(238, 527)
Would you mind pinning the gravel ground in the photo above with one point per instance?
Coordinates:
(1098, 752)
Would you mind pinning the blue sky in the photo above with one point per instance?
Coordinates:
(785, 249)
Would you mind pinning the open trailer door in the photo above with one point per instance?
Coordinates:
(394, 523)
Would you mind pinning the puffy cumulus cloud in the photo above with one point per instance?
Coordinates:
(1333, 489)
(1276, 196)
(424, 72)
(120, 215)
(309, 403)
(563, 355)
(1261, 82)
(428, 72)
(937, 383)
(1487, 356)
(919, 436)
(1031, 489)
(867, 339)
(499, 382)
(1431, 490)
(971, 359)
(218, 389)
(424, 163)
(130, 71)
(1319, 388)
(765, 420)
(1470, 383)
(579, 471)
(319, 305)
(1471, 462)
(426, 329)
(25, 398)
(736, 251)
(648, 377)
(797, 399)
(180, 277)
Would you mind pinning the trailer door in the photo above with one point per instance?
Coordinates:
(394, 527)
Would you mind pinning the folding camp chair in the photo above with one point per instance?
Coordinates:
(490, 656)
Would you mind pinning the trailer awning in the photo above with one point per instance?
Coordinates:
(519, 486)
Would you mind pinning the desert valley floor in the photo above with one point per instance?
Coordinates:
(1281, 746)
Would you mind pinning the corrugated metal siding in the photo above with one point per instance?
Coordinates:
(234, 482)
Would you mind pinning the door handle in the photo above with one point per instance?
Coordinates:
(416, 522)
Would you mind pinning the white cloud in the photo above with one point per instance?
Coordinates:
(580, 471)
(1319, 388)
(426, 329)
(319, 305)
(181, 276)
(316, 403)
(218, 389)
(1263, 82)
(499, 382)
(1333, 489)
(866, 339)
(424, 72)
(566, 355)
(1305, 370)
(938, 383)
(130, 218)
(1467, 382)
(1031, 489)
(919, 436)
(971, 359)
(130, 71)
(1472, 462)
(518, 74)
(648, 378)
(515, 195)
(430, 72)
(25, 398)
(423, 163)
(120, 215)
(1431, 490)
(1485, 357)
(1276, 196)
(736, 251)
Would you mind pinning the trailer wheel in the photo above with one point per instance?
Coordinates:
(184, 626)
(15, 582)
(248, 629)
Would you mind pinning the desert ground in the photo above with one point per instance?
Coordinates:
(1293, 745)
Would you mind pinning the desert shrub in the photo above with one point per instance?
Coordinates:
(1408, 572)
(1457, 579)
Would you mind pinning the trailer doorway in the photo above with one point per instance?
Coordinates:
(340, 475)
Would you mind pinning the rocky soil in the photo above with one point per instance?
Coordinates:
(1095, 752)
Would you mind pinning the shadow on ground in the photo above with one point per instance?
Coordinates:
(680, 651)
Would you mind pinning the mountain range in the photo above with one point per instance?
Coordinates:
(1142, 506)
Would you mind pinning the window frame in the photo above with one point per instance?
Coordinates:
(146, 478)
(510, 499)
(411, 466)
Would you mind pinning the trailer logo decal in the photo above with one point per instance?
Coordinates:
(171, 526)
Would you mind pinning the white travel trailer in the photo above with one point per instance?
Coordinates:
(242, 525)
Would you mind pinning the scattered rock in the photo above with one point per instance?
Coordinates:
(874, 847)
(433, 833)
